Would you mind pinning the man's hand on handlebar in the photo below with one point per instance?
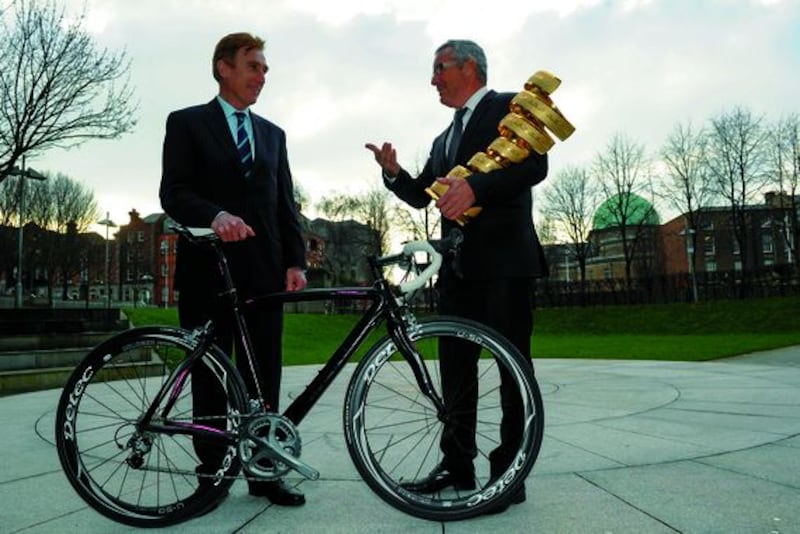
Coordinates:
(230, 227)
(295, 279)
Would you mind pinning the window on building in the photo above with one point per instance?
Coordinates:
(766, 243)
(711, 266)
(164, 269)
(140, 236)
(737, 266)
(709, 248)
(164, 247)
(736, 251)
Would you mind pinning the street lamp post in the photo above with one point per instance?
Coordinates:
(22, 173)
(107, 222)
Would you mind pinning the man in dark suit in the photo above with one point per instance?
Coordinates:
(499, 256)
(226, 168)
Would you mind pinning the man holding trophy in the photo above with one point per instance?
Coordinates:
(500, 254)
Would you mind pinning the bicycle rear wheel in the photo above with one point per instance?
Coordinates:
(145, 475)
(393, 431)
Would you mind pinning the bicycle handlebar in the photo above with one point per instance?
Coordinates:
(207, 236)
(436, 261)
(195, 234)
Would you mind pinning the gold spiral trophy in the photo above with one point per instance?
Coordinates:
(521, 131)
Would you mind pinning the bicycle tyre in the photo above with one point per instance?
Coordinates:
(392, 430)
(97, 437)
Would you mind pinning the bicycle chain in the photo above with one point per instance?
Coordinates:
(242, 475)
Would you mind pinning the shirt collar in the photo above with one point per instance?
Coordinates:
(228, 109)
(472, 102)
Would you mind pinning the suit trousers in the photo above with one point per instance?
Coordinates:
(506, 305)
(264, 325)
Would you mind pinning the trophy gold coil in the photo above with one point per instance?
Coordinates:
(509, 150)
(543, 81)
(520, 129)
(524, 129)
(481, 162)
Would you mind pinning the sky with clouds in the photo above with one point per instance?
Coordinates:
(347, 72)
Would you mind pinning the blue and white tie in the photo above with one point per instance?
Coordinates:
(243, 144)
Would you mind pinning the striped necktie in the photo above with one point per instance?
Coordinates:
(455, 136)
(243, 144)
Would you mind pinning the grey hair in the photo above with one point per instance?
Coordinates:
(463, 50)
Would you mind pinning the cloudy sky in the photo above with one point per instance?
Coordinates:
(346, 72)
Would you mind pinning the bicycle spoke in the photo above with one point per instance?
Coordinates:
(396, 437)
(136, 473)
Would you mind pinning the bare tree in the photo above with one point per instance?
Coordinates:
(687, 185)
(59, 201)
(66, 208)
(414, 223)
(301, 196)
(9, 201)
(736, 161)
(57, 89)
(373, 208)
(784, 172)
(9, 208)
(569, 200)
(623, 173)
(421, 223)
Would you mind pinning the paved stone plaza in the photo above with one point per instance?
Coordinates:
(630, 447)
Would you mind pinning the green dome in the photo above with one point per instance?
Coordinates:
(637, 211)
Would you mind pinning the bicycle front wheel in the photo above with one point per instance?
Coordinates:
(146, 474)
(493, 414)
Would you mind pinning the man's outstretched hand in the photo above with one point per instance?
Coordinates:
(386, 156)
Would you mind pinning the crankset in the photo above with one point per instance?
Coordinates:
(269, 447)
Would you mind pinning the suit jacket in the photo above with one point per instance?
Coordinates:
(202, 175)
(501, 241)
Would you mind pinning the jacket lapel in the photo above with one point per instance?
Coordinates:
(438, 156)
(260, 141)
(218, 129)
(475, 122)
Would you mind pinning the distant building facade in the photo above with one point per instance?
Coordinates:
(668, 253)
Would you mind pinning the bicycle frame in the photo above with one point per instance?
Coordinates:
(383, 306)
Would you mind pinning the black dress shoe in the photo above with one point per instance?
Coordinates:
(278, 492)
(440, 478)
(517, 498)
(213, 506)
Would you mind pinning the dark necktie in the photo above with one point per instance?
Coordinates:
(243, 144)
(455, 136)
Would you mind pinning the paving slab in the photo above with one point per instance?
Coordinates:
(629, 447)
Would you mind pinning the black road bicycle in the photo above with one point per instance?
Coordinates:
(125, 426)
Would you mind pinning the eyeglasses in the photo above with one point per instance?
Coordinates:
(442, 66)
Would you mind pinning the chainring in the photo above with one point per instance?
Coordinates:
(264, 441)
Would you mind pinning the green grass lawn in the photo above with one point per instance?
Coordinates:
(689, 332)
